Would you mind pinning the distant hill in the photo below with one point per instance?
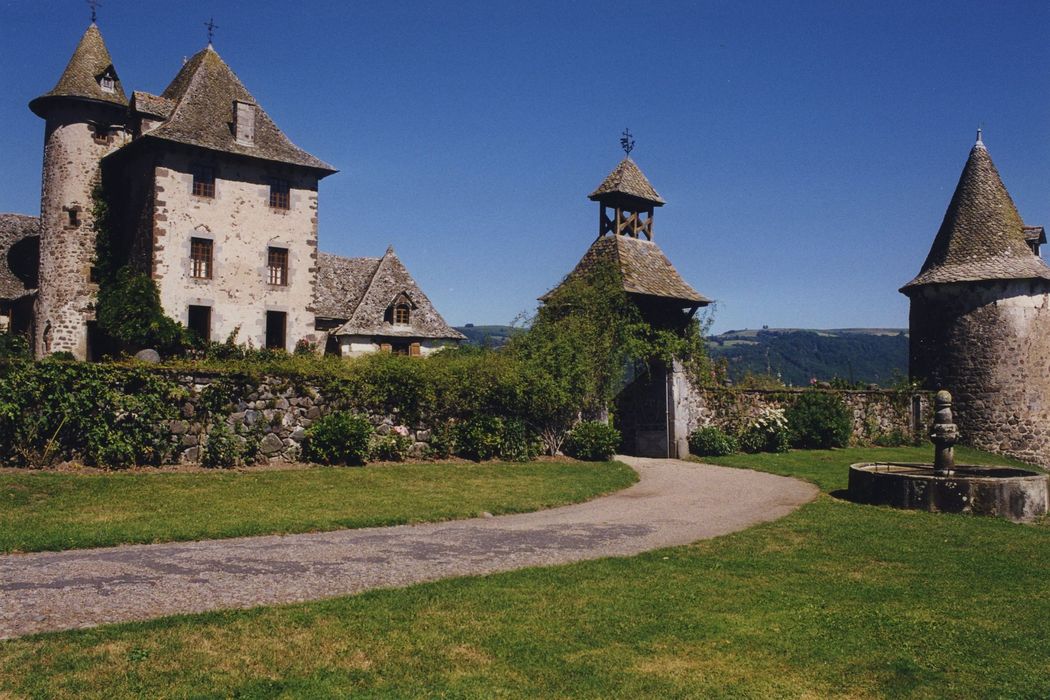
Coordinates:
(868, 355)
(490, 336)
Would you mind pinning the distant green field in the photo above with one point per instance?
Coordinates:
(491, 336)
(798, 356)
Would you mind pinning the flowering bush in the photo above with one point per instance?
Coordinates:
(766, 432)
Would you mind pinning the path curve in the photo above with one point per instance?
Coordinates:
(673, 503)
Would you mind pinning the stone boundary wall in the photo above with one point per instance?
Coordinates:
(275, 410)
(876, 413)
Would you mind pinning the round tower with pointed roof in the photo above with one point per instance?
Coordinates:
(85, 115)
(980, 317)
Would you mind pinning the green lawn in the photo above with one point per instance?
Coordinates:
(62, 510)
(836, 600)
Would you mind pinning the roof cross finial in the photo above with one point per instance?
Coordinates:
(627, 142)
(210, 24)
(94, 5)
(980, 129)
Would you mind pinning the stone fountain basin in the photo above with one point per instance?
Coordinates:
(1017, 494)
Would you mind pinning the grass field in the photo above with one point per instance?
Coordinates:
(835, 601)
(61, 510)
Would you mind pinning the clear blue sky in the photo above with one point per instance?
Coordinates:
(807, 150)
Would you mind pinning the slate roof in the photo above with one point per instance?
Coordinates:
(80, 78)
(643, 267)
(16, 228)
(358, 292)
(202, 96)
(152, 105)
(982, 236)
(627, 178)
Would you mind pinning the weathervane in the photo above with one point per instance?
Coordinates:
(627, 142)
(94, 5)
(210, 24)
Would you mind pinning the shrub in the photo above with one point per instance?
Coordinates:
(592, 441)
(110, 417)
(711, 441)
(393, 447)
(338, 438)
(480, 437)
(222, 448)
(518, 444)
(443, 440)
(14, 347)
(894, 438)
(766, 432)
(819, 420)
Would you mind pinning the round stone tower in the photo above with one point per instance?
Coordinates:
(85, 117)
(980, 317)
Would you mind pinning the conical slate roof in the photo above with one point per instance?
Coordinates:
(204, 94)
(80, 78)
(982, 236)
(627, 178)
(643, 267)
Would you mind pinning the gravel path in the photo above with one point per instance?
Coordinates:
(673, 503)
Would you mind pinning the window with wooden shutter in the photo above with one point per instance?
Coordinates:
(386, 347)
(415, 350)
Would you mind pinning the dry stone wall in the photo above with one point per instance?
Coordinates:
(876, 414)
(274, 411)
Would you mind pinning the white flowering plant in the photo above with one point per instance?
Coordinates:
(766, 432)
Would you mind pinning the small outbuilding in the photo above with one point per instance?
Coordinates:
(368, 305)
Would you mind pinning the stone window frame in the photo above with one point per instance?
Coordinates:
(277, 266)
(202, 258)
(203, 182)
(73, 220)
(107, 82)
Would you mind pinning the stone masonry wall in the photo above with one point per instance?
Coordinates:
(875, 413)
(242, 226)
(274, 410)
(988, 343)
(71, 163)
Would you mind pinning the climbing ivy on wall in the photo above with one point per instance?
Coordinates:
(128, 307)
(590, 334)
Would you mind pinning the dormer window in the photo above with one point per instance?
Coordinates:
(107, 82)
(244, 123)
(400, 312)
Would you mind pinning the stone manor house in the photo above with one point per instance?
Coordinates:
(211, 199)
